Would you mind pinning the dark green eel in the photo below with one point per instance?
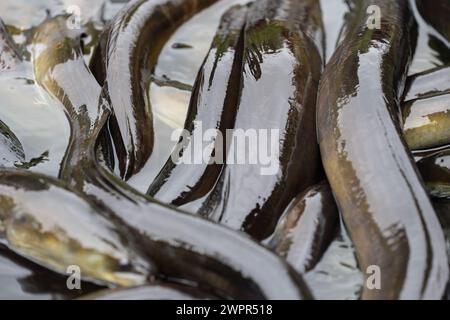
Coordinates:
(307, 227)
(126, 57)
(376, 184)
(212, 107)
(283, 55)
(179, 246)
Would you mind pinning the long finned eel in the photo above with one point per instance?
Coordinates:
(9, 54)
(178, 246)
(436, 13)
(131, 45)
(363, 153)
(212, 107)
(307, 227)
(426, 109)
(274, 127)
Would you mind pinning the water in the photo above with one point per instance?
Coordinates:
(42, 127)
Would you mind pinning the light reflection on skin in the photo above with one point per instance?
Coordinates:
(427, 122)
(37, 134)
(425, 57)
(366, 188)
(247, 177)
(57, 228)
(169, 105)
(364, 156)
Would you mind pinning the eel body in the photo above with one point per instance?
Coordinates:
(307, 228)
(178, 246)
(426, 109)
(364, 153)
(211, 109)
(273, 154)
(123, 64)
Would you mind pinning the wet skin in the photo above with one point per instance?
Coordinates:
(43, 221)
(9, 53)
(213, 104)
(364, 154)
(282, 66)
(156, 291)
(436, 13)
(435, 170)
(427, 122)
(307, 228)
(177, 245)
(426, 109)
(126, 56)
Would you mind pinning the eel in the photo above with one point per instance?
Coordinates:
(9, 53)
(212, 109)
(45, 222)
(435, 171)
(436, 13)
(426, 122)
(306, 228)
(126, 57)
(155, 291)
(426, 109)
(178, 246)
(376, 184)
(273, 149)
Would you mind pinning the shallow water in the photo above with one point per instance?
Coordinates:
(42, 127)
